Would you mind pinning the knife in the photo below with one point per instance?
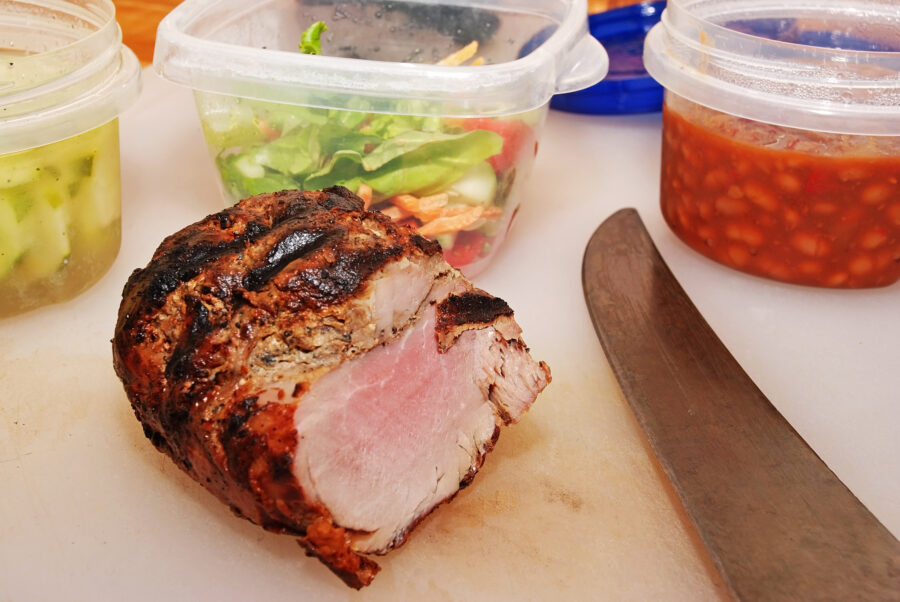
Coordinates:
(778, 524)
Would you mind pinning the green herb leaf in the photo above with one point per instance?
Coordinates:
(310, 41)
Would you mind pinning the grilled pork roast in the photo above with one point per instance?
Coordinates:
(320, 369)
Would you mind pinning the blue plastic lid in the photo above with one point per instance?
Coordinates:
(628, 88)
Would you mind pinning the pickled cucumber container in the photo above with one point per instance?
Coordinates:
(64, 78)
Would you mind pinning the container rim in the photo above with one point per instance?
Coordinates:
(790, 84)
(567, 60)
(83, 84)
(36, 72)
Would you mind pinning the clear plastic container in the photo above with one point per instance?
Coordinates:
(443, 147)
(781, 136)
(64, 78)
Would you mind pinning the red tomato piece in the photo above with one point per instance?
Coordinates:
(516, 135)
(466, 249)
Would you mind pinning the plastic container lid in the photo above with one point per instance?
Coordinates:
(249, 50)
(824, 65)
(64, 71)
(628, 88)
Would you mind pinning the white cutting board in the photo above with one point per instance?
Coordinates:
(571, 504)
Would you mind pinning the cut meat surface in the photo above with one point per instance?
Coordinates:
(406, 414)
(320, 369)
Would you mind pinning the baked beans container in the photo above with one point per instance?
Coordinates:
(781, 136)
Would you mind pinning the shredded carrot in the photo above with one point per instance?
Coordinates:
(431, 207)
(425, 208)
(395, 213)
(365, 193)
(454, 210)
(455, 223)
(407, 202)
(437, 215)
(460, 56)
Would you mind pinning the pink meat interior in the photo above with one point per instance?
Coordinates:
(387, 436)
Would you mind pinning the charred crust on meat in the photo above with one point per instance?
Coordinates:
(326, 541)
(426, 245)
(282, 466)
(473, 307)
(224, 221)
(471, 310)
(155, 437)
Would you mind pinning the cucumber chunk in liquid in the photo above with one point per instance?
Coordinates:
(60, 218)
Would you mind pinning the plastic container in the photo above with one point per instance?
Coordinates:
(64, 78)
(445, 148)
(781, 136)
(628, 88)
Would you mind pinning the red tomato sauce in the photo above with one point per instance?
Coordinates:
(828, 219)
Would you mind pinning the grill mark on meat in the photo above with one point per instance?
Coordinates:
(180, 365)
(294, 245)
(182, 257)
(184, 261)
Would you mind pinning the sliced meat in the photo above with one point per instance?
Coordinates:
(320, 369)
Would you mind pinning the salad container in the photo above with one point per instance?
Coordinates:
(425, 109)
(64, 78)
(781, 136)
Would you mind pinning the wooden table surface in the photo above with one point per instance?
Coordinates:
(139, 19)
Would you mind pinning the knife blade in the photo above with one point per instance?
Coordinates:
(778, 524)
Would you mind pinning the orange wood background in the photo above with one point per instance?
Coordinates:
(138, 19)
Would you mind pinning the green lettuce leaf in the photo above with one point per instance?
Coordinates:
(419, 163)
(344, 168)
(297, 153)
(240, 185)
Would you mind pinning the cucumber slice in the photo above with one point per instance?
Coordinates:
(19, 199)
(20, 169)
(478, 186)
(93, 180)
(98, 198)
(234, 126)
(446, 240)
(46, 233)
(248, 166)
(10, 239)
(51, 187)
